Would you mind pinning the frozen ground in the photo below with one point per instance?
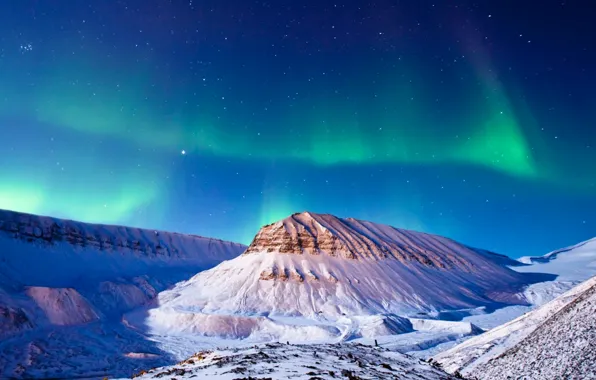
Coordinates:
(288, 361)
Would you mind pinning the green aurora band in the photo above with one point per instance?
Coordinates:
(320, 130)
(120, 103)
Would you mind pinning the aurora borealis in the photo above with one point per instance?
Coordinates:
(474, 121)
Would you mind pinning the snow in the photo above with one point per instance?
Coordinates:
(283, 361)
(572, 265)
(300, 282)
(475, 352)
(62, 307)
(509, 325)
(562, 347)
(88, 253)
(64, 286)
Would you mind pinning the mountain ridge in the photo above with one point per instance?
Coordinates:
(111, 250)
(64, 286)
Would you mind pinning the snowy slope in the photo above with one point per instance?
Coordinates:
(575, 263)
(318, 277)
(65, 281)
(563, 347)
(30, 245)
(508, 340)
(281, 361)
(572, 265)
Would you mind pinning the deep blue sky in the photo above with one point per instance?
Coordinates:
(471, 119)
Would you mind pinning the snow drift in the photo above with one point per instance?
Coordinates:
(62, 307)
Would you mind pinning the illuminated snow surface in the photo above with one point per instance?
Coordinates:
(555, 341)
(80, 300)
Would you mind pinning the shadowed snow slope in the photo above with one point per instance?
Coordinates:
(554, 341)
(329, 271)
(59, 276)
(281, 361)
(51, 252)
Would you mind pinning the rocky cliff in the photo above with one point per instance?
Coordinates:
(315, 234)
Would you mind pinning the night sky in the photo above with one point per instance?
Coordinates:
(471, 119)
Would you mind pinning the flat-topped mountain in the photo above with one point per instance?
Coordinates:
(31, 244)
(328, 269)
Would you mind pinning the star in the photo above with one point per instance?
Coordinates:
(183, 152)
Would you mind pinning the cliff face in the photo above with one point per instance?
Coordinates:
(315, 234)
(46, 231)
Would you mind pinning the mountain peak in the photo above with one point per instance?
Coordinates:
(310, 233)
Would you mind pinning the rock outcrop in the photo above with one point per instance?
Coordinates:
(13, 320)
(316, 234)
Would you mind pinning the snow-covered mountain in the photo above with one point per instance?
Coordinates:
(287, 361)
(64, 286)
(554, 341)
(319, 277)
